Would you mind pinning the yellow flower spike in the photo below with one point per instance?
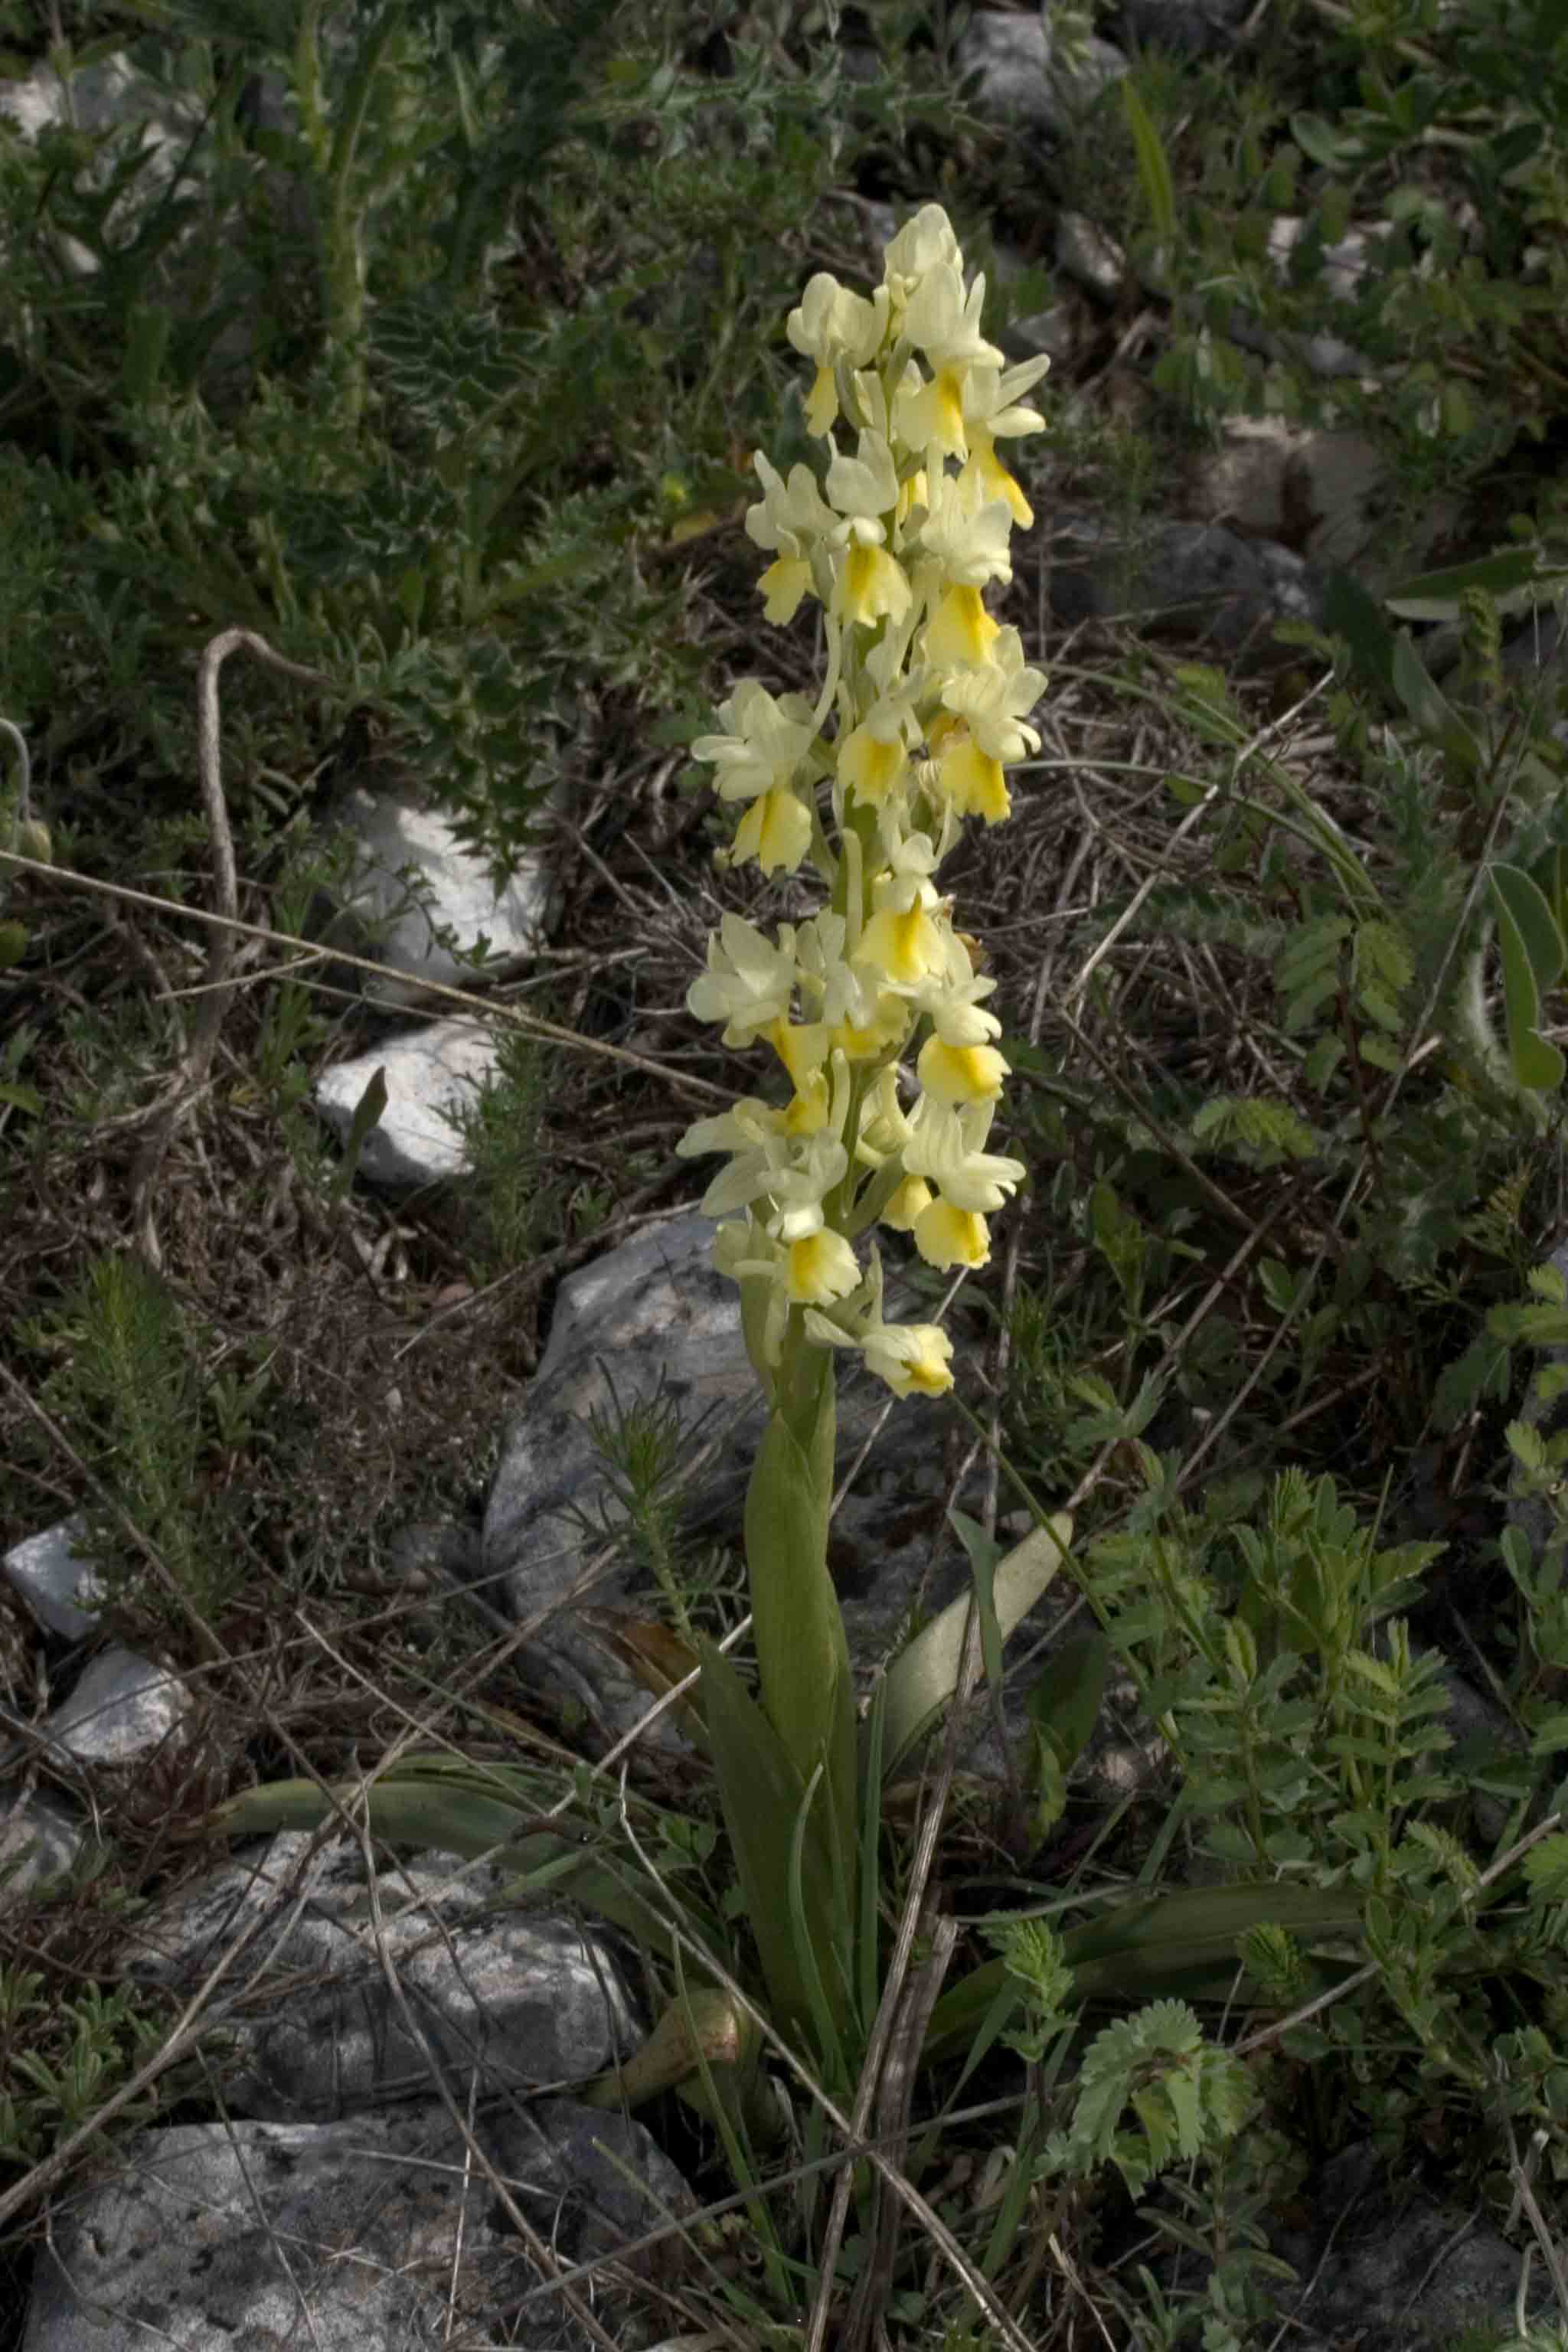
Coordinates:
(961, 1074)
(946, 1238)
(775, 831)
(821, 1268)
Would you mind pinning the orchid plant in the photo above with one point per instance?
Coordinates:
(923, 707)
(876, 1012)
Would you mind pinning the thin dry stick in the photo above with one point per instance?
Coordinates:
(888, 2013)
(202, 1042)
(703, 1089)
(894, 2093)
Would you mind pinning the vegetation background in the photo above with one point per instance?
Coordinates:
(443, 377)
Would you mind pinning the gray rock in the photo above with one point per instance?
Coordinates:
(414, 881)
(1184, 28)
(1396, 2270)
(431, 1074)
(158, 143)
(1296, 588)
(1088, 256)
(518, 2001)
(1026, 75)
(123, 1708)
(1196, 581)
(109, 95)
(365, 2236)
(1279, 480)
(40, 1839)
(60, 1588)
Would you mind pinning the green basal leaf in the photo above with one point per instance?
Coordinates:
(1530, 944)
(1430, 708)
(761, 1794)
(441, 1805)
(1164, 1947)
(1066, 1699)
(923, 1677)
(1511, 576)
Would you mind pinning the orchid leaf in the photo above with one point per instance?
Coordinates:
(1161, 1947)
(442, 1804)
(1064, 1704)
(761, 1794)
(1532, 950)
(1510, 576)
(923, 1677)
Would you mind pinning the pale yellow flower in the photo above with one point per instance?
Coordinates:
(991, 414)
(775, 831)
(748, 981)
(822, 1268)
(794, 518)
(945, 1144)
(913, 1358)
(961, 1074)
(908, 1204)
(959, 630)
(946, 1238)
(829, 325)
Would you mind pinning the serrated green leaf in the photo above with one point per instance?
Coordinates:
(1546, 1869)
